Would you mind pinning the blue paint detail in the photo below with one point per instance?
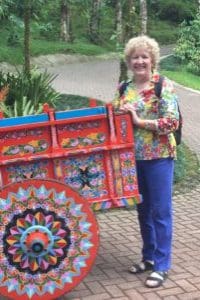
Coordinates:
(85, 112)
(24, 120)
(104, 205)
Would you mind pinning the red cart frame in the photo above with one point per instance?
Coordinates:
(54, 167)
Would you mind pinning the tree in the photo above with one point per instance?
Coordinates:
(65, 21)
(119, 26)
(143, 16)
(4, 8)
(128, 32)
(94, 21)
(27, 16)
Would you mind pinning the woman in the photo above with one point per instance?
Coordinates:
(155, 119)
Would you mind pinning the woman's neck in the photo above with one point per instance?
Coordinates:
(142, 82)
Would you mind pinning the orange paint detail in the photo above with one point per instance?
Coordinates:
(17, 257)
(37, 237)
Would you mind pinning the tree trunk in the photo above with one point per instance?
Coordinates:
(128, 33)
(94, 22)
(119, 27)
(65, 22)
(123, 70)
(27, 16)
(129, 26)
(143, 16)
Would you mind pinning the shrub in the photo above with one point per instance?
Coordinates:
(170, 63)
(176, 10)
(188, 45)
(162, 31)
(26, 94)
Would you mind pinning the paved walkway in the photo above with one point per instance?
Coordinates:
(120, 246)
(119, 234)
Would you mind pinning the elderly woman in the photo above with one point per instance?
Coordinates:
(155, 119)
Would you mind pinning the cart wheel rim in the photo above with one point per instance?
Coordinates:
(48, 239)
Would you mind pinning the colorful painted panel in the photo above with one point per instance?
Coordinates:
(40, 169)
(84, 173)
(124, 128)
(128, 172)
(25, 142)
(83, 134)
(48, 240)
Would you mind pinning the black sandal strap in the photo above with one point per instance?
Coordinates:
(142, 267)
(157, 277)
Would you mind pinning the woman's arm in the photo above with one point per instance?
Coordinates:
(168, 112)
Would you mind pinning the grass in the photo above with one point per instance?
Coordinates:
(178, 72)
(40, 46)
(184, 78)
(187, 169)
(164, 32)
(67, 102)
(43, 47)
(14, 55)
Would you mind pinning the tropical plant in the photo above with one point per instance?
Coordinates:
(27, 93)
(188, 45)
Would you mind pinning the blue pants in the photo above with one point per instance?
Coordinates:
(155, 179)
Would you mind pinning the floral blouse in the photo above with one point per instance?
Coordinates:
(161, 142)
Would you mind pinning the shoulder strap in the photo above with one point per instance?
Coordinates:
(123, 87)
(158, 87)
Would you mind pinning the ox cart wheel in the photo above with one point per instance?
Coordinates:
(48, 239)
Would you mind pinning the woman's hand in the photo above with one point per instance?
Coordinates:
(127, 107)
(141, 123)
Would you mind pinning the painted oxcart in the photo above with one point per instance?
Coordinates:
(56, 169)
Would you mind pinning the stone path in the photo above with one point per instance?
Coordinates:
(120, 246)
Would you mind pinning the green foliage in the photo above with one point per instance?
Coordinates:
(188, 45)
(20, 108)
(187, 169)
(79, 47)
(26, 93)
(4, 8)
(13, 38)
(47, 31)
(173, 10)
(178, 71)
(163, 31)
(45, 26)
(170, 63)
(67, 102)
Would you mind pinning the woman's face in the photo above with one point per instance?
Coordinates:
(140, 63)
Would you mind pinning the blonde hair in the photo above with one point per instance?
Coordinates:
(146, 43)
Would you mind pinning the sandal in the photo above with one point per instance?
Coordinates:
(156, 279)
(141, 267)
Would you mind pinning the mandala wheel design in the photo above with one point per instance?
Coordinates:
(48, 240)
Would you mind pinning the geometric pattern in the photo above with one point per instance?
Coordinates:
(36, 241)
(48, 241)
(86, 174)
